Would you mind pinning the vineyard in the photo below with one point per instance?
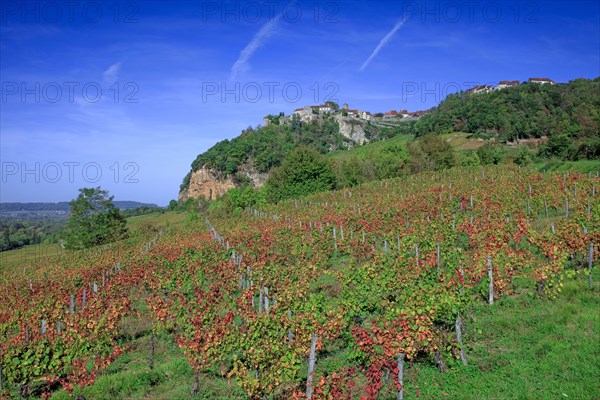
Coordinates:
(387, 274)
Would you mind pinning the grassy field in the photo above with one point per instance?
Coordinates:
(585, 166)
(157, 219)
(371, 149)
(11, 259)
(526, 347)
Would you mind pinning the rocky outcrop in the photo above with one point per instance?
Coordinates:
(257, 179)
(352, 128)
(209, 184)
(206, 184)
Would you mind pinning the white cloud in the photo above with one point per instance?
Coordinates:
(383, 42)
(111, 75)
(258, 40)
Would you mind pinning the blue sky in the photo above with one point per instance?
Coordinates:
(125, 95)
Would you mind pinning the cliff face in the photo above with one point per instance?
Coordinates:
(352, 129)
(206, 184)
(209, 184)
(257, 179)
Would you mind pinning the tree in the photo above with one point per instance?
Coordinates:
(523, 157)
(430, 153)
(173, 205)
(489, 154)
(333, 105)
(303, 171)
(557, 146)
(94, 220)
(469, 158)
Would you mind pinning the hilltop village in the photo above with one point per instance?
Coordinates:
(330, 108)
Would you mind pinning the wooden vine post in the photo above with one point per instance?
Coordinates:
(463, 356)
(151, 357)
(290, 334)
(417, 254)
(196, 387)
(491, 276)
(438, 257)
(590, 261)
(334, 239)
(400, 395)
(312, 358)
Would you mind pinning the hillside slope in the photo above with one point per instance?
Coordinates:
(559, 122)
(530, 110)
(381, 271)
(248, 158)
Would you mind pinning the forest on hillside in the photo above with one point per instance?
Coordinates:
(19, 233)
(268, 145)
(568, 114)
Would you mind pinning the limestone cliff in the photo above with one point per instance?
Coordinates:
(352, 128)
(209, 184)
(256, 178)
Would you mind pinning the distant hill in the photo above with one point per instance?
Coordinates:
(568, 115)
(54, 210)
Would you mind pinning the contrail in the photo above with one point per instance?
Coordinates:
(257, 41)
(383, 42)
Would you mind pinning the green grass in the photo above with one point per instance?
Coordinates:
(528, 348)
(171, 218)
(371, 149)
(584, 166)
(12, 259)
(130, 377)
(456, 139)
